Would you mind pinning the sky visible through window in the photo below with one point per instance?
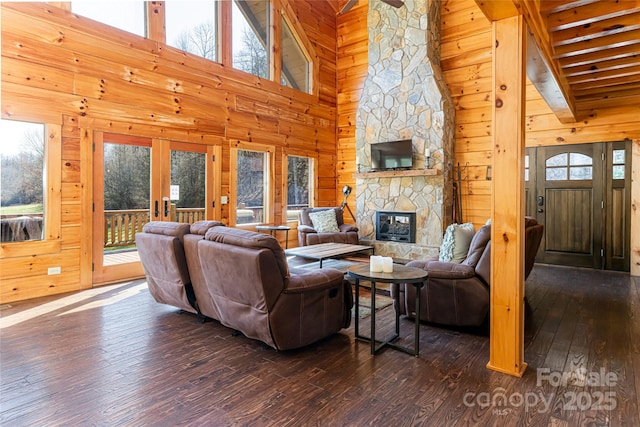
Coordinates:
(129, 16)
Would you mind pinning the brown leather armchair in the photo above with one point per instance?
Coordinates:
(256, 293)
(458, 294)
(307, 235)
(161, 250)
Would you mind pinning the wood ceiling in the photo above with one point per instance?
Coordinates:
(596, 46)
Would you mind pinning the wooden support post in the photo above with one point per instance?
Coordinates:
(508, 201)
(635, 207)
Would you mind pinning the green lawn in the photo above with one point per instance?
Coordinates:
(21, 209)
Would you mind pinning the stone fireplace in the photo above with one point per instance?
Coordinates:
(405, 97)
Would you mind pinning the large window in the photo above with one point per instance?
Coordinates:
(125, 15)
(295, 65)
(300, 178)
(22, 180)
(252, 181)
(250, 40)
(191, 26)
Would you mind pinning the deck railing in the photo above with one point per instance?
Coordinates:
(121, 226)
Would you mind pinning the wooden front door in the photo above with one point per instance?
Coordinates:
(581, 194)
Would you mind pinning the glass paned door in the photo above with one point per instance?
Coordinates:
(137, 180)
(122, 185)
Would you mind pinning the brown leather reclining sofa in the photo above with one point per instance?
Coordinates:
(458, 294)
(242, 279)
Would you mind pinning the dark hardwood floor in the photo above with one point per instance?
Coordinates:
(112, 356)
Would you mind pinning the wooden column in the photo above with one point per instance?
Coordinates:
(635, 208)
(508, 201)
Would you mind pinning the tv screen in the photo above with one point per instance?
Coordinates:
(392, 155)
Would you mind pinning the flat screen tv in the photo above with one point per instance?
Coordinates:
(392, 155)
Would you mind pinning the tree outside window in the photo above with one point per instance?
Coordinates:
(252, 186)
(299, 188)
(22, 165)
(191, 26)
(250, 39)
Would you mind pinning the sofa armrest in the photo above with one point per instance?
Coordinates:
(444, 270)
(306, 229)
(347, 227)
(302, 280)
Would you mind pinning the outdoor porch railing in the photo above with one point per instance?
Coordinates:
(121, 226)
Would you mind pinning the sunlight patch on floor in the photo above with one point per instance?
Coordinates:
(58, 304)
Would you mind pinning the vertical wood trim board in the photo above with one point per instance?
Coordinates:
(635, 207)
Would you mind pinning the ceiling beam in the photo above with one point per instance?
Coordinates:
(495, 10)
(543, 69)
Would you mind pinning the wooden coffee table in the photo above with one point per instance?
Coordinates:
(328, 251)
(401, 274)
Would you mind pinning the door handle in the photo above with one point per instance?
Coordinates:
(540, 210)
(166, 208)
(540, 201)
(157, 212)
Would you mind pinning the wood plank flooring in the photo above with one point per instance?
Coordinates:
(112, 356)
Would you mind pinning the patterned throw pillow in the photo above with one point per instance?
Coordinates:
(325, 221)
(456, 241)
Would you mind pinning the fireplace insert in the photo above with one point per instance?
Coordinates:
(396, 226)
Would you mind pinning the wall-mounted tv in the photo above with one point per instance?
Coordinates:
(392, 155)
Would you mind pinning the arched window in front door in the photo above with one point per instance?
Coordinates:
(569, 166)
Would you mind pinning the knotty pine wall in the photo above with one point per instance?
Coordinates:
(466, 62)
(67, 70)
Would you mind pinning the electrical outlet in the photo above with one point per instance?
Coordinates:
(54, 270)
(224, 200)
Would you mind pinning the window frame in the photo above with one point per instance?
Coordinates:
(270, 151)
(52, 201)
(313, 179)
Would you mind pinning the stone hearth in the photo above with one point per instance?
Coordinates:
(405, 97)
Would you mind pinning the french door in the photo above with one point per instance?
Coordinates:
(581, 193)
(137, 180)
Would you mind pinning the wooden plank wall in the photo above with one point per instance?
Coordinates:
(352, 66)
(64, 69)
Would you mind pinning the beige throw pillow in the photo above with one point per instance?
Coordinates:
(325, 221)
(456, 241)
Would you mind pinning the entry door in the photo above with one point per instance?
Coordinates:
(137, 180)
(572, 191)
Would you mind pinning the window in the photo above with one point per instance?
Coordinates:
(126, 15)
(253, 186)
(569, 166)
(295, 65)
(300, 178)
(188, 184)
(22, 181)
(618, 164)
(191, 26)
(250, 41)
